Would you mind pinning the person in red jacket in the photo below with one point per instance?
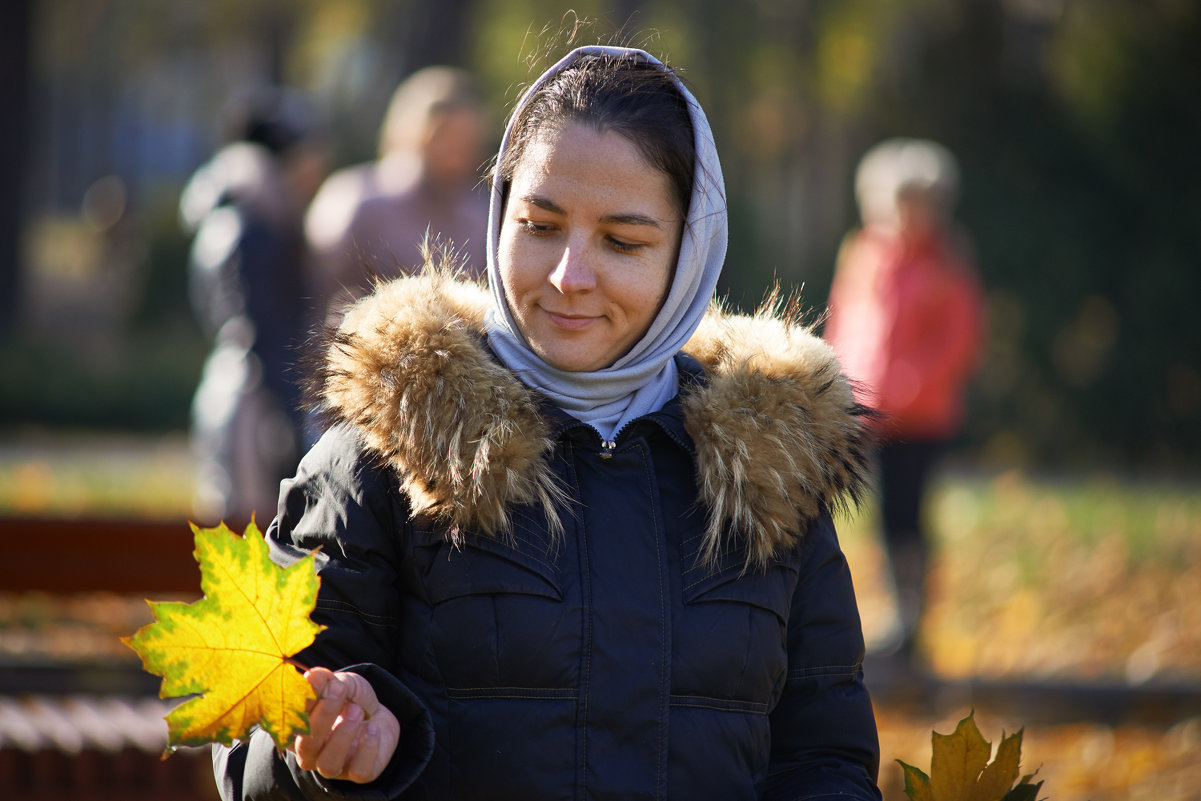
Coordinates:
(906, 318)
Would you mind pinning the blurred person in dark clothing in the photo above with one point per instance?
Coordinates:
(371, 219)
(906, 319)
(247, 283)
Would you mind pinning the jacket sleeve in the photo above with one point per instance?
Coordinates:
(343, 505)
(824, 741)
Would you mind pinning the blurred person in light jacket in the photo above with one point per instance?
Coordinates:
(370, 220)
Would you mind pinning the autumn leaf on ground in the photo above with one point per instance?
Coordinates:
(233, 646)
(960, 770)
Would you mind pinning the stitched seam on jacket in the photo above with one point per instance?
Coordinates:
(516, 693)
(719, 704)
(518, 556)
(706, 577)
(826, 670)
(664, 655)
(586, 635)
(333, 605)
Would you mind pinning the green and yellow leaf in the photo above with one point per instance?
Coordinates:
(233, 647)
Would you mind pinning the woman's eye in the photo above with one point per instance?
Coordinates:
(537, 229)
(622, 246)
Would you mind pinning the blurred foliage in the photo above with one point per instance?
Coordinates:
(111, 342)
(147, 386)
(1074, 121)
(1077, 761)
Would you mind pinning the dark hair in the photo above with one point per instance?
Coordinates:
(274, 117)
(637, 99)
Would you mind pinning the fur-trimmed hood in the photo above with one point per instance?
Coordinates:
(777, 432)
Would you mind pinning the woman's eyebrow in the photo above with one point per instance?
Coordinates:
(631, 218)
(545, 203)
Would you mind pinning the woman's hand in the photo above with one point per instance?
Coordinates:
(351, 735)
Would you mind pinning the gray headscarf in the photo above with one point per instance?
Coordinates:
(646, 378)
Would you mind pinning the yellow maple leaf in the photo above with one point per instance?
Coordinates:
(960, 770)
(957, 760)
(233, 646)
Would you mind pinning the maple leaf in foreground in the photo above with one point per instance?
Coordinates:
(960, 770)
(233, 646)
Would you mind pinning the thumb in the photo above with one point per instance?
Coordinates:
(318, 679)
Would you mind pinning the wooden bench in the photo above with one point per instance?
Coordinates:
(97, 555)
(94, 732)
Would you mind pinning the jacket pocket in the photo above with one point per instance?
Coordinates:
(770, 589)
(494, 613)
(520, 563)
(731, 633)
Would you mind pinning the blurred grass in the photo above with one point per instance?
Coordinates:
(84, 473)
(1086, 577)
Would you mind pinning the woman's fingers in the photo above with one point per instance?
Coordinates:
(323, 714)
(340, 745)
(351, 736)
(365, 764)
(360, 691)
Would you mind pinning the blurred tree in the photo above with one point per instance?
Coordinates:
(16, 32)
(1075, 123)
(1079, 128)
(435, 33)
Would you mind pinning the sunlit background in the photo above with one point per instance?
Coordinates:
(1069, 514)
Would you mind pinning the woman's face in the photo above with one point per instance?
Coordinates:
(588, 246)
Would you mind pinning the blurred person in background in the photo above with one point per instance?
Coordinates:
(245, 207)
(371, 219)
(906, 319)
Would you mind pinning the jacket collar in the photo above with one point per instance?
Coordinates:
(775, 431)
(670, 418)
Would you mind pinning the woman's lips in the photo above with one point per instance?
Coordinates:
(571, 322)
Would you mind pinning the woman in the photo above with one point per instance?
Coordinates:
(560, 557)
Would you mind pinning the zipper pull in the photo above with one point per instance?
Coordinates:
(607, 448)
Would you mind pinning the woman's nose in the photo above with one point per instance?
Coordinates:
(574, 271)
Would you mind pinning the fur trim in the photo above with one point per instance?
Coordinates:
(408, 368)
(778, 434)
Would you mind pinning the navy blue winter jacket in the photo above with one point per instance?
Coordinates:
(671, 618)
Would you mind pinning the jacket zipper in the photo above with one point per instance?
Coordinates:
(609, 446)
